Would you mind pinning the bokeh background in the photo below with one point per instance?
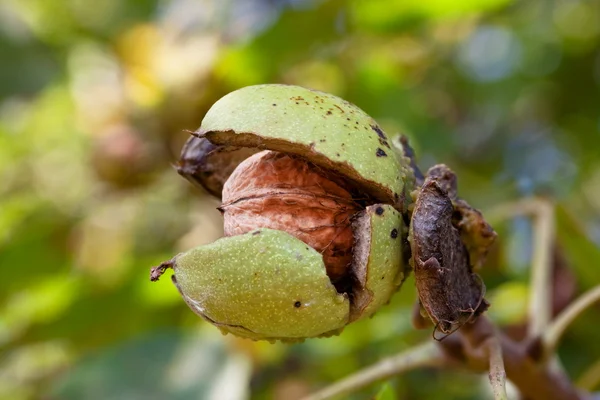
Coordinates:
(95, 98)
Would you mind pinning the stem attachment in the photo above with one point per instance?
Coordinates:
(156, 272)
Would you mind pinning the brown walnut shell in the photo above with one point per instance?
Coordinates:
(278, 191)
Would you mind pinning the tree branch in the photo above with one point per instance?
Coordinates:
(424, 355)
(479, 347)
(534, 381)
(540, 306)
(497, 373)
(542, 211)
(555, 331)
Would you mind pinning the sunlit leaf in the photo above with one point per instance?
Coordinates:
(509, 302)
(390, 15)
(581, 252)
(386, 392)
(39, 303)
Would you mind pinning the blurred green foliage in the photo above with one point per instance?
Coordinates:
(95, 98)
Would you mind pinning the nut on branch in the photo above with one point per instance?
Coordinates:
(314, 225)
(315, 198)
(278, 191)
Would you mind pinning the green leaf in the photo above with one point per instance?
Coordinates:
(386, 392)
(581, 252)
(167, 365)
(391, 15)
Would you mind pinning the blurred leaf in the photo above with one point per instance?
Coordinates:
(386, 392)
(13, 210)
(25, 69)
(509, 302)
(162, 366)
(389, 15)
(581, 252)
(293, 38)
(36, 249)
(158, 293)
(41, 302)
(25, 364)
(75, 246)
(60, 22)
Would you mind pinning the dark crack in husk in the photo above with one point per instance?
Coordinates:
(409, 153)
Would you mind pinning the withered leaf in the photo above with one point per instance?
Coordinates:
(449, 291)
(476, 234)
(208, 165)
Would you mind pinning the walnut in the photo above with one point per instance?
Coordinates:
(315, 227)
(278, 191)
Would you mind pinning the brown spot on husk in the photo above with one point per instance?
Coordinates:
(409, 153)
(380, 153)
(379, 132)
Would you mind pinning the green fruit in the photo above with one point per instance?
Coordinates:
(378, 264)
(275, 287)
(330, 132)
(268, 284)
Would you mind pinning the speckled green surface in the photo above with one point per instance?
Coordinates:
(384, 264)
(262, 285)
(327, 130)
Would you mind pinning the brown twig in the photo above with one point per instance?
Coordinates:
(158, 271)
(497, 373)
(477, 347)
(534, 381)
(542, 211)
(540, 306)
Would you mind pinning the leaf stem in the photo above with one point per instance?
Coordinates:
(542, 211)
(553, 334)
(423, 355)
